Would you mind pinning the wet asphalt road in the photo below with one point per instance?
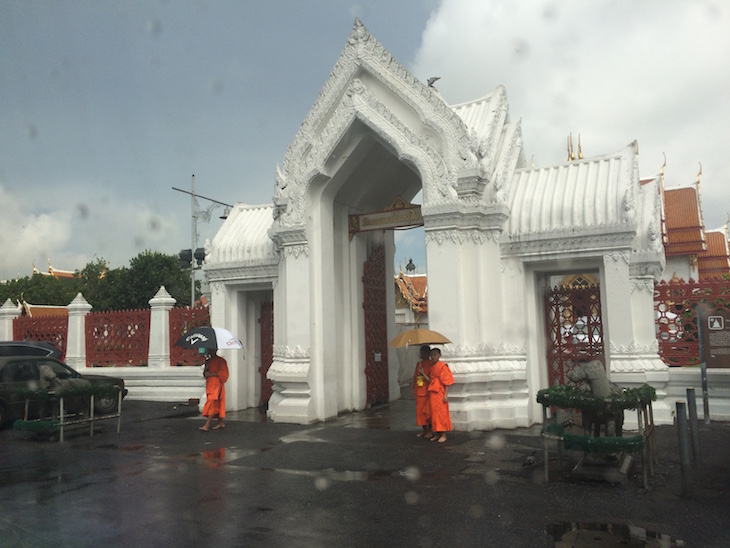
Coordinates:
(364, 479)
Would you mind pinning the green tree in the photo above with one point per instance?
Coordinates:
(104, 289)
(150, 270)
(91, 282)
(40, 289)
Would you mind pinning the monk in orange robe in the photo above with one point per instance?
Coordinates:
(216, 375)
(419, 390)
(438, 391)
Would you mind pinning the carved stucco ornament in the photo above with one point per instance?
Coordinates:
(346, 98)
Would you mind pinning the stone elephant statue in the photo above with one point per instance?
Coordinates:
(592, 375)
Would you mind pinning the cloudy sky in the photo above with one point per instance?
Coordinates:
(105, 106)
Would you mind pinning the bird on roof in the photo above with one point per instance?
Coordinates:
(431, 81)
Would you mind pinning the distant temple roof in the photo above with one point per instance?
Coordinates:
(55, 272)
(41, 310)
(715, 262)
(412, 291)
(685, 232)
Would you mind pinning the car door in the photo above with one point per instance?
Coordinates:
(17, 376)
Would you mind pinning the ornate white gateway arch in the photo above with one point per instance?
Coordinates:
(376, 134)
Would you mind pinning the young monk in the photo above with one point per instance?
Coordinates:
(438, 391)
(419, 390)
(216, 375)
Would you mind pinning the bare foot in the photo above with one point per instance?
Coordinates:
(203, 428)
(219, 426)
(442, 439)
(420, 434)
(428, 435)
(434, 437)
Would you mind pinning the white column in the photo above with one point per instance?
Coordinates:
(159, 348)
(618, 329)
(76, 338)
(292, 400)
(8, 312)
(643, 314)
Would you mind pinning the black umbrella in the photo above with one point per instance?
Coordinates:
(209, 337)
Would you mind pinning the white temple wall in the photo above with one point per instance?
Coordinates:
(535, 283)
(444, 266)
(681, 267)
(643, 313)
(616, 307)
(629, 342)
(467, 302)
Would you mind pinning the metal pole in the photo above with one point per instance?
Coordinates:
(684, 458)
(193, 239)
(693, 426)
(701, 319)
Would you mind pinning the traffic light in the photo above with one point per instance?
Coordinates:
(185, 257)
(199, 255)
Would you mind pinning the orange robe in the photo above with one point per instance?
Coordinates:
(441, 377)
(423, 407)
(215, 391)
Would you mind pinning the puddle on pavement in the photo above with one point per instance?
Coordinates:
(608, 534)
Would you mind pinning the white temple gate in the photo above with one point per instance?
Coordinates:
(497, 231)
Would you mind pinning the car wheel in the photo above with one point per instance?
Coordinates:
(105, 406)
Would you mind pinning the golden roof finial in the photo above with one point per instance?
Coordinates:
(700, 173)
(580, 151)
(661, 170)
(532, 161)
(568, 141)
(571, 153)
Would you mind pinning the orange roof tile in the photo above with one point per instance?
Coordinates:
(685, 234)
(715, 261)
(44, 311)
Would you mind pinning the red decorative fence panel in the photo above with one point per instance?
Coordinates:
(116, 339)
(183, 319)
(51, 329)
(676, 312)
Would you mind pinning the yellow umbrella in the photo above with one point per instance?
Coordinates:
(418, 337)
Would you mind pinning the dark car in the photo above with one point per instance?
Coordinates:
(19, 374)
(29, 348)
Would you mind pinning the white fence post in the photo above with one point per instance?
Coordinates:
(8, 312)
(76, 337)
(159, 350)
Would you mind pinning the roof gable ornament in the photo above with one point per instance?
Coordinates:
(430, 135)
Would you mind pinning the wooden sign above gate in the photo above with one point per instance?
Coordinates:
(397, 215)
